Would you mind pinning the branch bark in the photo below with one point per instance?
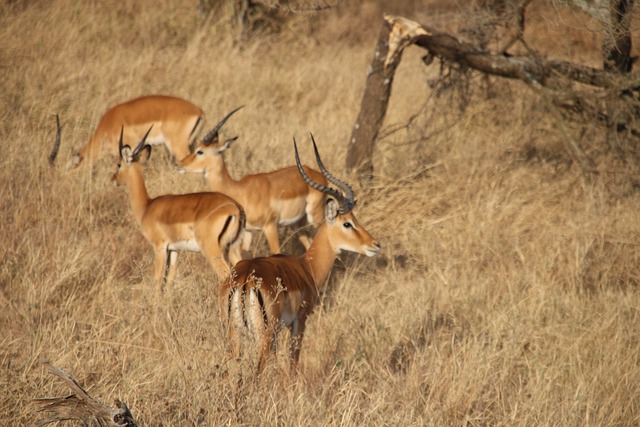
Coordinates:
(531, 69)
(395, 34)
(81, 407)
(617, 47)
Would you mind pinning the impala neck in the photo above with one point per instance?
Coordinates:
(320, 256)
(138, 195)
(218, 176)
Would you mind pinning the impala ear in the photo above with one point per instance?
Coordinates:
(330, 210)
(228, 143)
(144, 154)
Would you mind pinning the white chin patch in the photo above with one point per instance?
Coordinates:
(371, 252)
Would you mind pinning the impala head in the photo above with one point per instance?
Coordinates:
(130, 158)
(346, 233)
(209, 146)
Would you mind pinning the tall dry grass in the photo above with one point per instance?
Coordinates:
(506, 293)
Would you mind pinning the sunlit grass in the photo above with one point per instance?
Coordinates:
(506, 292)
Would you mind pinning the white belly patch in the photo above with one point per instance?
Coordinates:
(156, 139)
(289, 221)
(185, 245)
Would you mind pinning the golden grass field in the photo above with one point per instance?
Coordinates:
(506, 293)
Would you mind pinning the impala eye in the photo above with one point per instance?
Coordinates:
(199, 152)
(347, 225)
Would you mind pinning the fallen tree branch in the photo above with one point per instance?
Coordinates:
(525, 68)
(396, 33)
(81, 407)
(556, 76)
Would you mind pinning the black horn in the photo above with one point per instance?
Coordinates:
(142, 143)
(208, 138)
(345, 205)
(120, 143)
(346, 188)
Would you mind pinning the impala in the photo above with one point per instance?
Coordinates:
(210, 223)
(264, 294)
(279, 197)
(175, 123)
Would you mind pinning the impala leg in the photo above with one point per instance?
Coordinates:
(170, 271)
(88, 153)
(264, 348)
(180, 136)
(295, 344)
(271, 233)
(246, 241)
(235, 254)
(178, 149)
(212, 251)
(315, 211)
(305, 240)
(160, 266)
(236, 321)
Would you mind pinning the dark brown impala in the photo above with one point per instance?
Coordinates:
(265, 294)
(210, 223)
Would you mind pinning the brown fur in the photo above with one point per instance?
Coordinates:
(174, 121)
(269, 198)
(287, 287)
(214, 221)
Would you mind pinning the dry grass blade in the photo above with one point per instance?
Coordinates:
(80, 406)
(507, 291)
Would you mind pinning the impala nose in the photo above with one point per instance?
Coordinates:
(371, 251)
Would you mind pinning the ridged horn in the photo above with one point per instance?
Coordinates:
(141, 144)
(350, 201)
(344, 205)
(208, 138)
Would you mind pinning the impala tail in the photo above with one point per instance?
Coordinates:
(246, 307)
(232, 235)
(246, 316)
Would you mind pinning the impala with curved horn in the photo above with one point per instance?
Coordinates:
(211, 223)
(175, 123)
(265, 294)
(270, 199)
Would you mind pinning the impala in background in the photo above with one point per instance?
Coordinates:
(175, 122)
(265, 294)
(211, 223)
(280, 197)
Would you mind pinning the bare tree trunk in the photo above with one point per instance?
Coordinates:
(616, 52)
(395, 35)
(617, 47)
(372, 109)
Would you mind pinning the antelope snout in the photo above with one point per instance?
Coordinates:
(372, 250)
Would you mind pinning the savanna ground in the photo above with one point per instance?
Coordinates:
(506, 292)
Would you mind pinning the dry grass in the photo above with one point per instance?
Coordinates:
(506, 294)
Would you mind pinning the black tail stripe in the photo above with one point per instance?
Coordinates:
(224, 229)
(243, 295)
(262, 307)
